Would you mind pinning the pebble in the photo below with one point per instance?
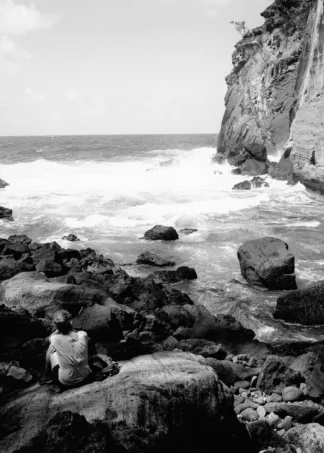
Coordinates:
(242, 385)
(253, 363)
(290, 394)
(281, 432)
(286, 423)
(273, 419)
(274, 398)
(303, 388)
(261, 400)
(250, 415)
(261, 411)
(244, 394)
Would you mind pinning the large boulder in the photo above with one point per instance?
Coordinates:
(40, 296)
(254, 167)
(304, 306)
(267, 262)
(156, 403)
(152, 259)
(20, 239)
(160, 232)
(307, 438)
(257, 151)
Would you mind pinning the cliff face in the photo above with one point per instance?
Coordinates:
(276, 89)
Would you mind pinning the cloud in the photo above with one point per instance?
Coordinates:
(72, 95)
(33, 95)
(213, 7)
(18, 19)
(10, 51)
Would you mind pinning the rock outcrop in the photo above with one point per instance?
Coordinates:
(157, 402)
(267, 262)
(276, 92)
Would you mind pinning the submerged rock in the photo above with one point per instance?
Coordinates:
(304, 306)
(71, 237)
(152, 259)
(188, 231)
(180, 274)
(160, 232)
(155, 403)
(267, 262)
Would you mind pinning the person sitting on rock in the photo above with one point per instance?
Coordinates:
(67, 363)
(67, 355)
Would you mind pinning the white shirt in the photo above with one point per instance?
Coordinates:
(72, 352)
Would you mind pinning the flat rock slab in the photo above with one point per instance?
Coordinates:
(155, 400)
(36, 293)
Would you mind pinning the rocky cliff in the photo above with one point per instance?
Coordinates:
(276, 90)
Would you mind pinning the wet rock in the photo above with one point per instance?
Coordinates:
(267, 262)
(253, 167)
(177, 316)
(203, 347)
(9, 267)
(3, 184)
(6, 213)
(263, 435)
(151, 259)
(258, 182)
(220, 328)
(292, 394)
(300, 411)
(276, 374)
(187, 396)
(20, 239)
(244, 185)
(180, 274)
(15, 249)
(188, 231)
(308, 438)
(257, 151)
(304, 306)
(160, 232)
(71, 237)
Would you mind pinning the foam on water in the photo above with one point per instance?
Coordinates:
(110, 203)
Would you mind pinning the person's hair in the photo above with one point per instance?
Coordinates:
(62, 321)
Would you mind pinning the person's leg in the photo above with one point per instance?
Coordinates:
(51, 361)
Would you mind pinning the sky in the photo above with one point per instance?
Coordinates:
(70, 67)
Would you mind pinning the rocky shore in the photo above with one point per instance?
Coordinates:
(189, 380)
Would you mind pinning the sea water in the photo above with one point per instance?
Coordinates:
(109, 190)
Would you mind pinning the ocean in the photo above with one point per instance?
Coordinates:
(109, 190)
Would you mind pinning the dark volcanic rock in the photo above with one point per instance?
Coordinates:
(71, 237)
(15, 249)
(258, 152)
(264, 436)
(276, 374)
(304, 306)
(152, 259)
(308, 438)
(160, 232)
(254, 167)
(5, 213)
(267, 262)
(244, 185)
(3, 184)
(222, 328)
(178, 275)
(20, 239)
(10, 267)
(203, 347)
